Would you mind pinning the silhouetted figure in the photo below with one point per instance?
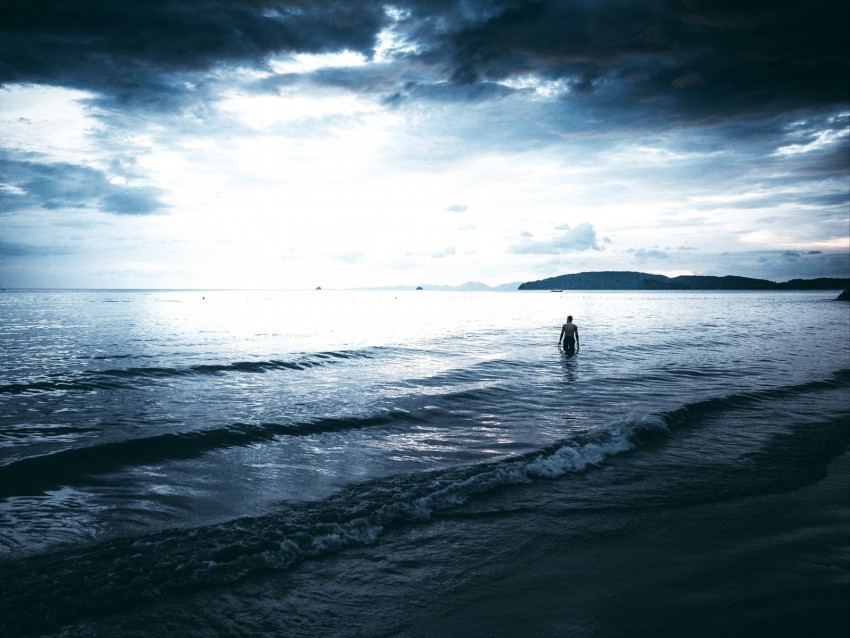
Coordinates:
(569, 335)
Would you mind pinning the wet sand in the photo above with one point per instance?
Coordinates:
(768, 565)
(517, 564)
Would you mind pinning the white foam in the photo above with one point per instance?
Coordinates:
(445, 491)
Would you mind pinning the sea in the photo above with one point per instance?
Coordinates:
(423, 463)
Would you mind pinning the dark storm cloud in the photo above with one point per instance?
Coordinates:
(746, 57)
(698, 59)
(28, 184)
(55, 37)
(130, 49)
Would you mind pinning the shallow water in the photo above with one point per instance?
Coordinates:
(161, 446)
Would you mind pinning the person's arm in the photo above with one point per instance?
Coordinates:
(563, 330)
(577, 344)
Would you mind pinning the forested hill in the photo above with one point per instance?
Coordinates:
(616, 280)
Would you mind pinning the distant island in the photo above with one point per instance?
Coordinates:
(616, 280)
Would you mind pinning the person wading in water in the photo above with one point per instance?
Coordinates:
(569, 335)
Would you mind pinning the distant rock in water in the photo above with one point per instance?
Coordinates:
(611, 280)
(844, 296)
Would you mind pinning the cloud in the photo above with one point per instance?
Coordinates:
(350, 257)
(457, 208)
(122, 47)
(641, 254)
(775, 265)
(696, 59)
(578, 239)
(29, 184)
(729, 54)
(15, 249)
(268, 111)
(778, 265)
(443, 253)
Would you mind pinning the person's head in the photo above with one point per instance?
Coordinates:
(570, 319)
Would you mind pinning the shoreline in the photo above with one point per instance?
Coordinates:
(771, 565)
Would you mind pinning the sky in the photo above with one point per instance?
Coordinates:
(343, 144)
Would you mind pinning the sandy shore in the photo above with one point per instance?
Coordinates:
(769, 565)
(527, 561)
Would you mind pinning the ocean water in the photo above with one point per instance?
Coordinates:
(364, 463)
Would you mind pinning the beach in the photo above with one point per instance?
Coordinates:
(231, 464)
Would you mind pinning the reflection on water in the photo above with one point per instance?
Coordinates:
(181, 408)
(569, 363)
